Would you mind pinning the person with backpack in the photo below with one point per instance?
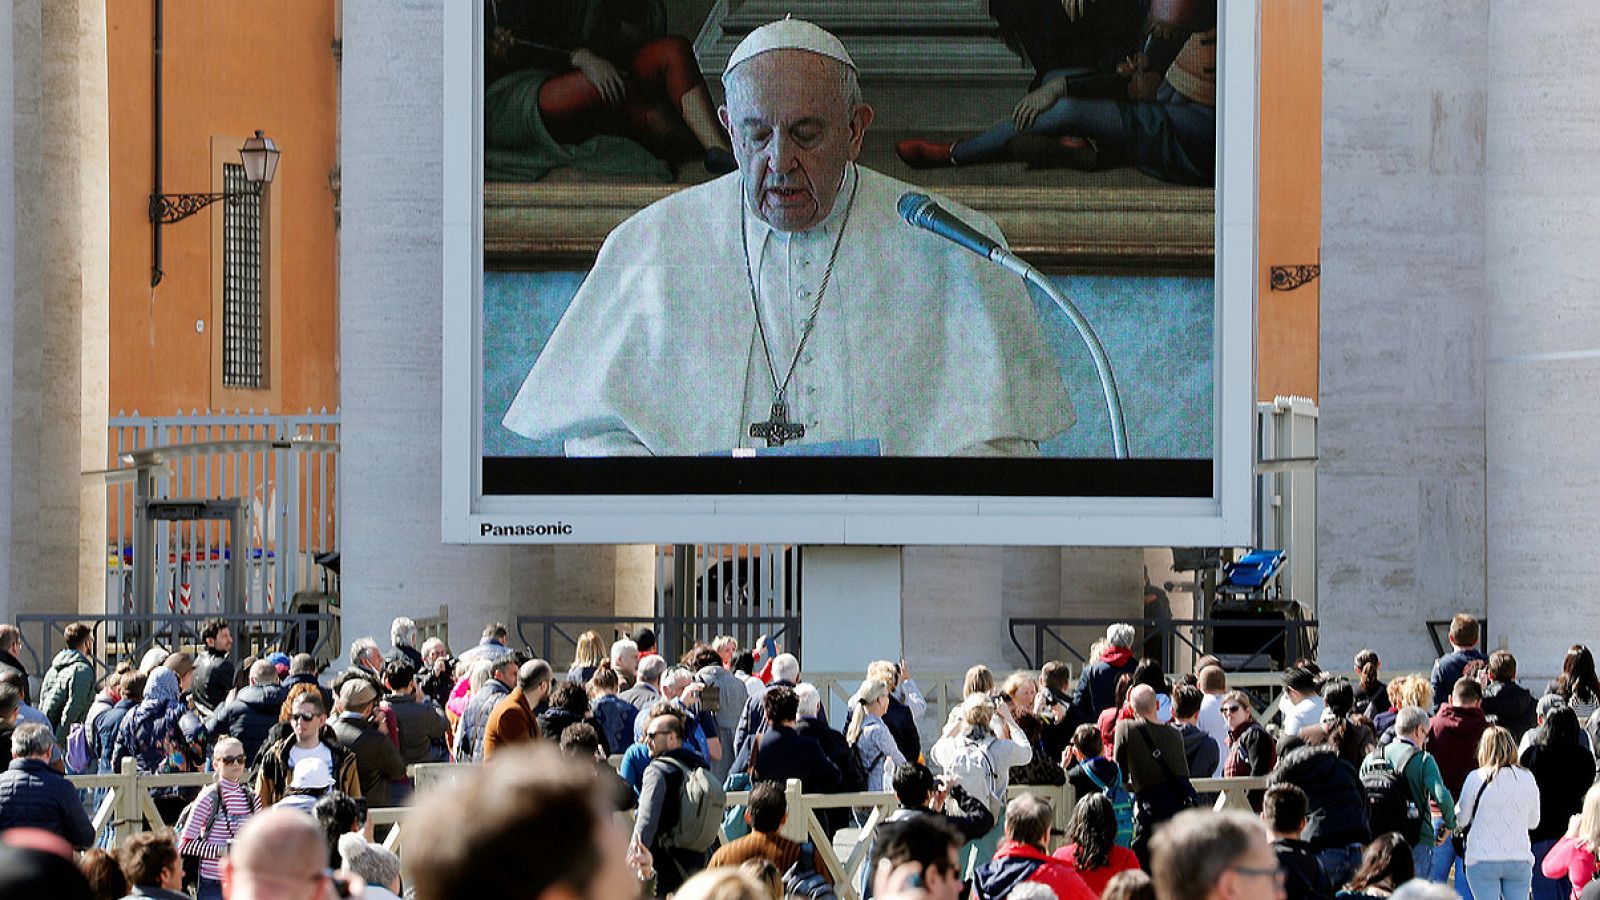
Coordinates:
(68, 687)
(869, 737)
(1092, 848)
(1400, 779)
(980, 762)
(207, 827)
(680, 805)
(1090, 771)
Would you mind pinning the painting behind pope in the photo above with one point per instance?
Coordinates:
(1084, 128)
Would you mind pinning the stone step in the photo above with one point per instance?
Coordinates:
(845, 17)
(928, 58)
(945, 67)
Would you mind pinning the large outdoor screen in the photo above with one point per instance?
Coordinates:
(684, 307)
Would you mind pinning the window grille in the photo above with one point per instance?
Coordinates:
(243, 320)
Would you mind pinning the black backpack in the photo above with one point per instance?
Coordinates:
(1390, 804)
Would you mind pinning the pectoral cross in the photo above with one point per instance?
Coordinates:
(778, 430)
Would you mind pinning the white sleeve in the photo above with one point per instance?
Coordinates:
(914, 699)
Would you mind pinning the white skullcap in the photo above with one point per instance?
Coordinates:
(789, 33)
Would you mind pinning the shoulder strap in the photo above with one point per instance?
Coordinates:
(1089, 771)
(1156, 752)
(1479, 795)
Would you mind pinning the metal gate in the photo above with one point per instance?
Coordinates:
(292, 495)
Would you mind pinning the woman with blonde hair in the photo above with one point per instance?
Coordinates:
(906, 705)
(1573, 857)
(724, 883)
(981, 762)
(1404, 691)
(587, 657)
(869, 737)
(1499, 805)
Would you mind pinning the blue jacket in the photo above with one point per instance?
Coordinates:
(105, 731)
(783, 754)
(33, 795)
(613, 716)
(1447, 670)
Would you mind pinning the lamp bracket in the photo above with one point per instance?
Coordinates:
(166, 209)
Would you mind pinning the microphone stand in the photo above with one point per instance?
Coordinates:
(1097, 352)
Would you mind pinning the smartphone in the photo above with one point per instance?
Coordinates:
(770, 648)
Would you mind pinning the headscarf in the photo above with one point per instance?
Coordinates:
(162, 688)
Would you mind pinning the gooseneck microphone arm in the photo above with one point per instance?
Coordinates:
(921, 210)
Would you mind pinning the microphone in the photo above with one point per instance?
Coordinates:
(923, 212)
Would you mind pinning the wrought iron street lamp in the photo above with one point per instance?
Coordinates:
(259, 155)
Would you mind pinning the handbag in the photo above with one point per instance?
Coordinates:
(1458, 841)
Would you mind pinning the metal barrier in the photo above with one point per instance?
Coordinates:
(126, 809)
(434, 627)
(802, 822)
(555, 638)
(129, 636)
(1286, 640)
(292, 495)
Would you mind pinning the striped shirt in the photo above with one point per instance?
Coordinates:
(209, 830)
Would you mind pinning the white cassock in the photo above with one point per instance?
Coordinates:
(920, 348)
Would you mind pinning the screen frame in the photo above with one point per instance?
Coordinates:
(1223, 519)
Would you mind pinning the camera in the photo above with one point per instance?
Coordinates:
(710, 694)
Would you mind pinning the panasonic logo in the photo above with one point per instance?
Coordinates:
(489, 529)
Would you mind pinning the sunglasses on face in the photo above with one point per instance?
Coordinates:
(303, 717)
(230, 760)
(1230, 710)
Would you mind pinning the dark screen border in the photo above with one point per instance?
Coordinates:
(896, 476)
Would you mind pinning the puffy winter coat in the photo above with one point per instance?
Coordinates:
(33, 795)
(1336, 802)
(151, 732)
(249, 717)
(66, 692)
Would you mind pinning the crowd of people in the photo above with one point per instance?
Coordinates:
(1364, 789)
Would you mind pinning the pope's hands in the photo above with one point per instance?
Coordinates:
(606, 78)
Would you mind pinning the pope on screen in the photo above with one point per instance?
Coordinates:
(788, 305)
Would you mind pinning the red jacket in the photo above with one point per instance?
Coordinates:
(1015, 863)
(1453, 740)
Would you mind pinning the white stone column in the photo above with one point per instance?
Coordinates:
(54, 288)
(1400, 485)
(853, 601)
(1543, 326)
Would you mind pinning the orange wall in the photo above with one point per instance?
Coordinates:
(230, 68)
(1290, 193)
